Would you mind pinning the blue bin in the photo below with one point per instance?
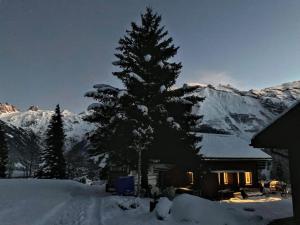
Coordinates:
(125, 185)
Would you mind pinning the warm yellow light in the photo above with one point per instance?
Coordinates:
(238, 177)
(248, 178)
(225, 178)
(191, 177)
(256, 200)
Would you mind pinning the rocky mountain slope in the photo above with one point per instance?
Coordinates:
(225, 110)
(23, 150)
(243, 113)
(36, 121)
(7, 108)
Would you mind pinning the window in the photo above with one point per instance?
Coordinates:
(248, 178)
(225, 178)
(190, 177)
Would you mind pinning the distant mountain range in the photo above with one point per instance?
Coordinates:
(36, 121)
(225, 109)
(243, 113)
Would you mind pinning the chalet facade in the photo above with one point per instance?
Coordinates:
(230, 161)
(232, 164)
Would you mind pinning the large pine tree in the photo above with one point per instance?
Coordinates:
(53, 162)
(157, 116)
(3, 153)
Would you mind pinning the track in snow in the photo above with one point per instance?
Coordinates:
(76, 211)
(49, 202)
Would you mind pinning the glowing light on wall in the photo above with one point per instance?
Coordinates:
(248, 178)
(225, 178)
(191, 177)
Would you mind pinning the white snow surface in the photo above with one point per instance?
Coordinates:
(147, 57)
(63, 202)
(49, 202)
(163, 208)
(218, 146)
(219, 105)
(137, 77)
(143, 109)
(38, 121)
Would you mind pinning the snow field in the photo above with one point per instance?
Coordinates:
(63, 202)
(49, 202)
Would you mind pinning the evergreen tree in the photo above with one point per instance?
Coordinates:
(53, 162)
(157, 116)
(3, 153)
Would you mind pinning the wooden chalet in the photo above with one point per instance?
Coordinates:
(232, 164)
(230, 161)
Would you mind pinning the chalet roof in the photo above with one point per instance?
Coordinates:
(282, 132)
(220, 146)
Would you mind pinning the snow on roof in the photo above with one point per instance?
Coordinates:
(220, 146)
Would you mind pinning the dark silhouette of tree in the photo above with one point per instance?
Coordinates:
(150, 115)
(3, 153)
(53, 162)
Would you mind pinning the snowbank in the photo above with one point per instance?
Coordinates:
(56, 202)
(190, 210)
(163, 208)
(187, 208)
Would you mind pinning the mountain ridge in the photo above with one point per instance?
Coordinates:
(225, 110)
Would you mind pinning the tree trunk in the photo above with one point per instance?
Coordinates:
(139, 173)
(144, 171)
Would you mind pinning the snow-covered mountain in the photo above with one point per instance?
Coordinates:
(37, 121)
(7, 108)
(243, 113)
(23, 149)
(225, 110)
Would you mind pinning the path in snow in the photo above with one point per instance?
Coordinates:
(76, 211)
(46, 202)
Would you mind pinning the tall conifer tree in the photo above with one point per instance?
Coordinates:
(158, 116)
(3, 153)
(53, 161)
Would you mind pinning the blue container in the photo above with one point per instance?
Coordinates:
(125, 185)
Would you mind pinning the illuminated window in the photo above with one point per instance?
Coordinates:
(248, 178)
(190, 177)
(225, 178)
(238, 178)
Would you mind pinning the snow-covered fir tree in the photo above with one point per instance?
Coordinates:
(3, 153)
(53, 162)
(150, 115)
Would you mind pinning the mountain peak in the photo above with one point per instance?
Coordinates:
(7, 108)
(33, 108)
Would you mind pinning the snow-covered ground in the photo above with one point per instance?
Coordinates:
(54, 202)
(49, 202)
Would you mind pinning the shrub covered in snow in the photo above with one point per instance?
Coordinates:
(162, 209)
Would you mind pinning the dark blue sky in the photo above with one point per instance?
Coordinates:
(54, 51)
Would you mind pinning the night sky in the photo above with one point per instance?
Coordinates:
(54, 51)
